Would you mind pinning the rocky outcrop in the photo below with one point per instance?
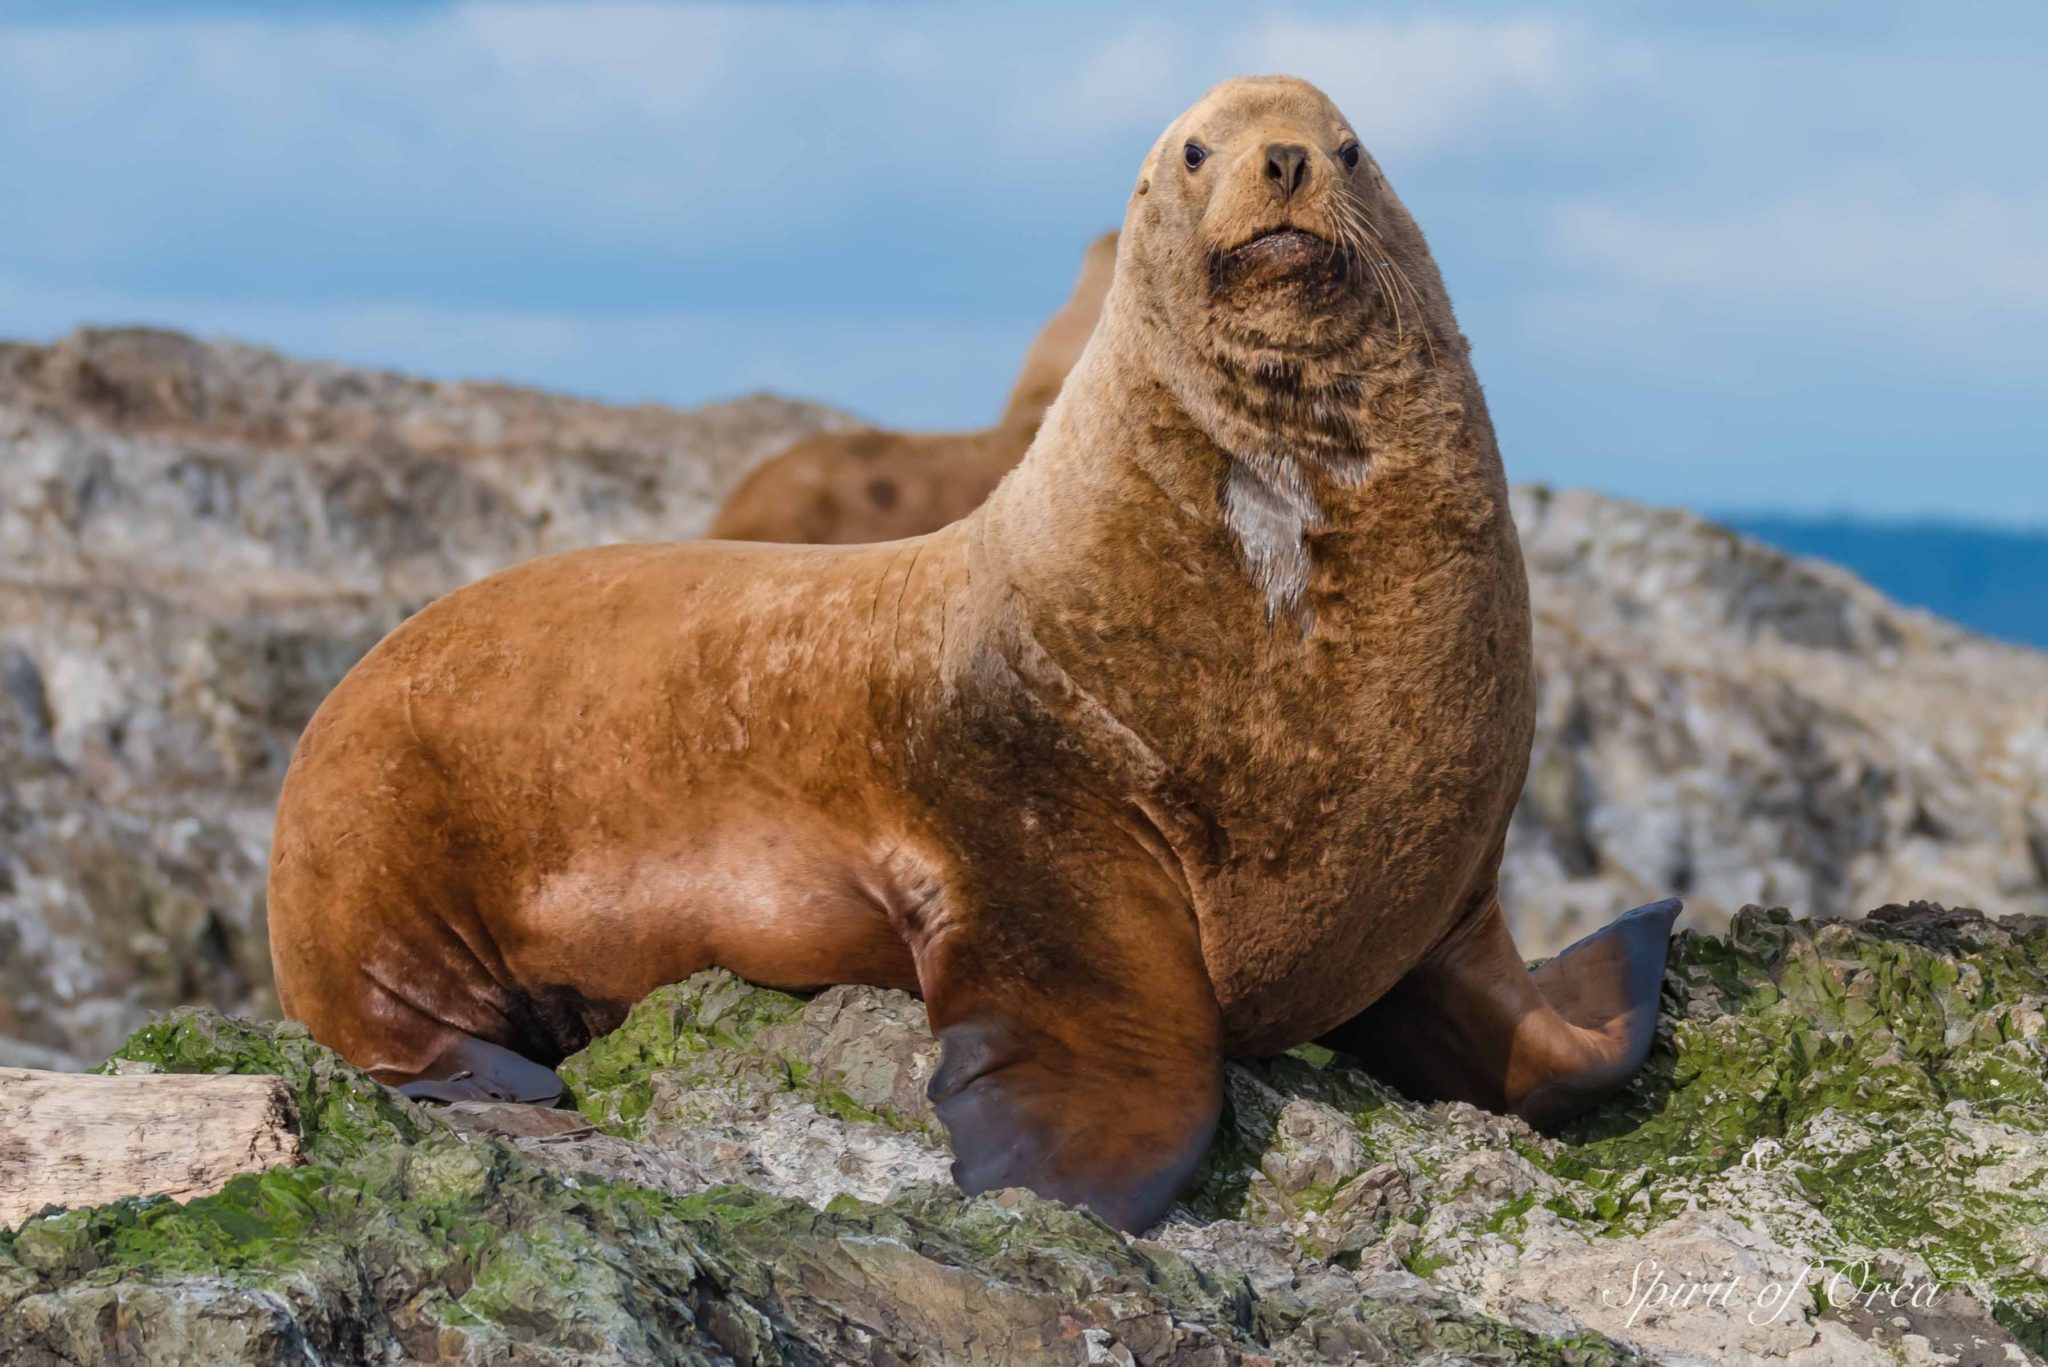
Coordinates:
(197, 539)
(1733, 725)
(1839, 1154)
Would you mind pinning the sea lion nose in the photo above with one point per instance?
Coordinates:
(1286, 167)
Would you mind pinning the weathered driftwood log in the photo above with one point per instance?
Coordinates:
(69, 1139)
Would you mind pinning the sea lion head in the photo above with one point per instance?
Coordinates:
(1270, 281)
(1261, 224)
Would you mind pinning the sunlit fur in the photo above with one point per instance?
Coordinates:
(1200, 737)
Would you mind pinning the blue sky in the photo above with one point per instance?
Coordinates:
(1761, 256)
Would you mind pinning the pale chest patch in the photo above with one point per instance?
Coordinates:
(1268, 504)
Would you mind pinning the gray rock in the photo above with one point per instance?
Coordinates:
(198, 540)
(1734, 725)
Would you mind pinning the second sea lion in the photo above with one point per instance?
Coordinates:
(847, 488)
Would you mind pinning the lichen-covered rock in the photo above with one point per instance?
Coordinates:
(861, 1053)
(732, 1083)
(1838, 1154)
(341, 1111)
(408, 1240)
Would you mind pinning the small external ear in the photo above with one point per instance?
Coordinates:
(1145, 185)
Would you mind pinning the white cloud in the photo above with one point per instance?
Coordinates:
(676, 54)
(1412, 86)
(586, 121)
(1424, 84)
(1889, 245)
(1881, 274)
(1136, 76)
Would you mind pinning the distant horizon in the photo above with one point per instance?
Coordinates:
(1901, 522)
(1986, 578)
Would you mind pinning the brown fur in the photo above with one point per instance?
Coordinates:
(849, 488)
(1111, 798)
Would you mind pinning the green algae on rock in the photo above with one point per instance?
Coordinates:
(1866, 1096)
(694, 1028)
(1896, 1068)
(434, 1245)
(849, 1051)
(1826, 1101)
(341, 1109)
(1905, 1011)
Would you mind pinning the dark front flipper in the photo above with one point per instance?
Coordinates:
(477, 1070)
(1472, 1023)
(1080, 1046)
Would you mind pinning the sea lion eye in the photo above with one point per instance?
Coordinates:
(1348, 154)
(1194, 154)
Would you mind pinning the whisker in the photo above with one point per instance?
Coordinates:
(1376, 258)
(1364, 225)
(1414, 294)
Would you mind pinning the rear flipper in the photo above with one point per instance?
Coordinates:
(1473, 1023)
(472, 1069)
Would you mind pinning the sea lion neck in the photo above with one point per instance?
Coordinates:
(1274, 489)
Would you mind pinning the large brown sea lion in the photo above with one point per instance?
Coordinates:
(1199, 738)
(848, 488)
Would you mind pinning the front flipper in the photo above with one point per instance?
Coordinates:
(472, 1069)
(1080, 1045)
(1473, 1023)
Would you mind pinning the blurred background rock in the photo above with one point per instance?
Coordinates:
(198, 539)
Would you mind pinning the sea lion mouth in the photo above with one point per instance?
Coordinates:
(1280, 243)
(1279, 257)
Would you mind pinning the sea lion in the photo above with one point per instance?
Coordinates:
(847, 488)
(1199, 738)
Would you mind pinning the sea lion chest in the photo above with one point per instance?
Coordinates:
(1335, 783)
